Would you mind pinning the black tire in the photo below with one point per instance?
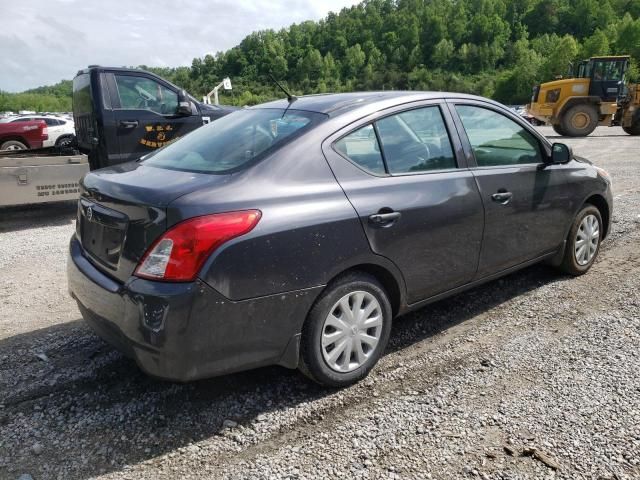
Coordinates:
(312, 362)
(579, 120)
(633, 129)
(570, 263)
(13, 145)
(558, 130)
(64, 140)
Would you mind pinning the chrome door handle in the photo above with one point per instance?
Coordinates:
(382, 219)
(502, 197)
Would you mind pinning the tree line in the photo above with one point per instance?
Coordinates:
(54, 98)
(494, 48)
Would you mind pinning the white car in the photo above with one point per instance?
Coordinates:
(61, 130)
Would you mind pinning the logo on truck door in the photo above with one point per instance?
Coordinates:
(157, 135)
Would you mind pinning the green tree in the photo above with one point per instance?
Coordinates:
(628, 40)
(354, 60)
(596, 44)
(443, 53)
(563, 52)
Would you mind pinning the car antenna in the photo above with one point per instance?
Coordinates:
(290, 98)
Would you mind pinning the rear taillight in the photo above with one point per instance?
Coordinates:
(178, 255)
(45, 133)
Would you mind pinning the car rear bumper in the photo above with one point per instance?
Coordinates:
(186, 331)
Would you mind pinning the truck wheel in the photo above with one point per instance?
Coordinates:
(13, 145)
(558, 130)
(580, 120)
(633, 129)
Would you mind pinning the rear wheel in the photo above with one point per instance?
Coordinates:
(558, 130)
(579, 120)
(13, 145)
(346, 331)
(633, 129)
(583, 243)
(64, 141)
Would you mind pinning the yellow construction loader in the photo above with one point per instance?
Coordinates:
(628, 114)
(595, 95)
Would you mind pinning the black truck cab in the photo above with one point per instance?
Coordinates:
(122, 114)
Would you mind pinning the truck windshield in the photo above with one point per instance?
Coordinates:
(234, 141)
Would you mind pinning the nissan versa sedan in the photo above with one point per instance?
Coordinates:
(294, 232)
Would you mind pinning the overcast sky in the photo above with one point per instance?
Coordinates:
(45, 41)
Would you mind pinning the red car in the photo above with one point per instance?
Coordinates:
(23, 135)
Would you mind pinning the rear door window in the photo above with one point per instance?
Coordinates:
(82, 103)
(413, 141)
(361, 147)
(416, 141)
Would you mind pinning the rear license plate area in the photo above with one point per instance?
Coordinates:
(102, 233)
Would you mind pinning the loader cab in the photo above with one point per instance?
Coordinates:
(583, 70)
(606, 75)
(122, 114)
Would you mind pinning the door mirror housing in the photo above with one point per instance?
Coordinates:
(561, 153)
(184, 104)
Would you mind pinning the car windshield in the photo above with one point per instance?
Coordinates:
(234, 141)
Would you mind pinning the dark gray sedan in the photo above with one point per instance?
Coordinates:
(292, 233)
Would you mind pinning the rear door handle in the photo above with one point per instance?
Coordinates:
(128, 123)
(502, 197)
(382, 219)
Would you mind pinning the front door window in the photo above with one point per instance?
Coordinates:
(497, 140)
(142, 93)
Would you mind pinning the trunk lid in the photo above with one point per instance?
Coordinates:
(122, 211)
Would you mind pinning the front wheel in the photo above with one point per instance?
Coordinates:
(346, 331)
(579, 120)
(583, 243)
(558, 130)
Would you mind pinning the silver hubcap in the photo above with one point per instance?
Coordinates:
(351, 331)
(587, 240)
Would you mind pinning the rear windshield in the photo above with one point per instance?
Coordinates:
(234, 141)
(82, 95)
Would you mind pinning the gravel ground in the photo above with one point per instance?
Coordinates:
(530, 376)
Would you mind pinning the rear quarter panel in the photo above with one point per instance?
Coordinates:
(308, 232)
(30, 133)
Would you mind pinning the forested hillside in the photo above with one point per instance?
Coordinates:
(495, 48)
(55, 98)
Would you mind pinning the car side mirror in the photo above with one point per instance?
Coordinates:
(561, 153)
(184, 104)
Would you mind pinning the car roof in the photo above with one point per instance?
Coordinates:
(28, 115)
(334, 104)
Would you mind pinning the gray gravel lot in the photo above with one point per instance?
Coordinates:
(531, 376)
